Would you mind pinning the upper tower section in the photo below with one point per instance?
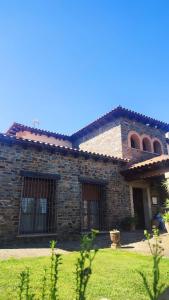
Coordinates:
(120, 133)
(125, 134)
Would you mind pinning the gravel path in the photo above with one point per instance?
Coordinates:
(130, 241)
(142, 246)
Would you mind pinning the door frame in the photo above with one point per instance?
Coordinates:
(146, 201)
(101, 201)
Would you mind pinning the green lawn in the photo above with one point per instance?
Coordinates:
(114, 275)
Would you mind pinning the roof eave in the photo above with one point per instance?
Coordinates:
(117, 113)
(20, 127)
(60, 149)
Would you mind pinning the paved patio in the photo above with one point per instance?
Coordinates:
(130, 241)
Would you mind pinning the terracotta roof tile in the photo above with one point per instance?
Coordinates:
(6, 138)
(20, 127)
(121, 112)
(149, 162)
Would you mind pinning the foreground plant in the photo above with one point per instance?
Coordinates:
(54, 271)
(165, 184)
(84, 264)
(157, 253)
(24, 286)
(49, 286)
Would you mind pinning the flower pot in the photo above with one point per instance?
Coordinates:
(167, 226)
(115, 238)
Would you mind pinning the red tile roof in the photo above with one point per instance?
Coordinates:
(12, 140)
(121, 112)
(20, 127)
(112, 115)
(150, 162)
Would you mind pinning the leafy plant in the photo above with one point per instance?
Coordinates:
(49, 283)
(49, 287)
(167, 204)
(165, 184)
(44, 284)
(54, 270)
(24, 286)
(84, 264)
(166, 217)
(157, 254)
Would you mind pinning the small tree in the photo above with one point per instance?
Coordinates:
(84, 264)
(157, 254)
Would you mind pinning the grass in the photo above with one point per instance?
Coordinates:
(114, 275)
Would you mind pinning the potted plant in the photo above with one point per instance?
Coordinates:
(166, 220)
(115, 238)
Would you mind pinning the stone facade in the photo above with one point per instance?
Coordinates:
(135, 154)
(32, 152)
(14, 158)
(105, 140)
(112, 139)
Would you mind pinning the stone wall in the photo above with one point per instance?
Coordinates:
(14, 158)
(112, 139)
(105, 140)
(135, 154)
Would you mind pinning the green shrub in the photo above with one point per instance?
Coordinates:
(84, 264)
(49, 283)
(157, 253)
(166, 217)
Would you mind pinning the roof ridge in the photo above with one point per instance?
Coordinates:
(116, 112)
(40, 130)
(119, 109)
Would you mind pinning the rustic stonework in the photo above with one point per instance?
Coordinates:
(105, 140)
(15, 158)
(112, 139)
(134, 154)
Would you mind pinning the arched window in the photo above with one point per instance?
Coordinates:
(134, 141)
(157, 147)
(146, 144)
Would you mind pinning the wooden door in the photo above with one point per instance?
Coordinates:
(91, 210)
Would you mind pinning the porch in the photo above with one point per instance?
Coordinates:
(147, 194)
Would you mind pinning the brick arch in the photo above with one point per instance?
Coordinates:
(157, 146)
(146, 143)
(134, 138)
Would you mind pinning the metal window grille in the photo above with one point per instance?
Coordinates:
(92, 206)
(38, 206)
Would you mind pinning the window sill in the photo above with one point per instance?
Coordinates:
(146, 151)
(35, 235)
(89, 231)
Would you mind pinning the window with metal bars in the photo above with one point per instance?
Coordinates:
(38, 206)
(92, 206)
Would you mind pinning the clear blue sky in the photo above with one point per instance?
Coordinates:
(67, 62)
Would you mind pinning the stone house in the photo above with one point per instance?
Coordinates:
(52, 184)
